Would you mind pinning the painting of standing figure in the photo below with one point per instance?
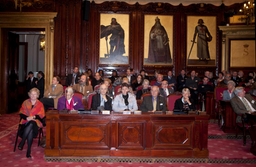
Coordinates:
(158, 39)
(113, 39)
(201, 40)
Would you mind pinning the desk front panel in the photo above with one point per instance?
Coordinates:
(145, 135)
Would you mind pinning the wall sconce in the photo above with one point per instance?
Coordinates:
(248, 11)
(42, 42)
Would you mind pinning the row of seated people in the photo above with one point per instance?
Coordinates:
(126, 101)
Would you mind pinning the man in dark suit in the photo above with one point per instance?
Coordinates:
(73, 78)
(130, 76)
(170, 79)
(154, 102)
(245, 104)
(101, 101)
(181, 80)
(166, 90)
(30, 81)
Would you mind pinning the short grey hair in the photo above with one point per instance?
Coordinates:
(238, 90)
(232, 83)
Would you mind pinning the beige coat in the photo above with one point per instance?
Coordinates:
(56, 94)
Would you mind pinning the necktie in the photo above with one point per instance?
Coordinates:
(53, 88)
(246, 104)
(154, 104)
(166, 92)
(74, 79)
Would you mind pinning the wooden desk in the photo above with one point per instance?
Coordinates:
(145, 135)
(229, 117)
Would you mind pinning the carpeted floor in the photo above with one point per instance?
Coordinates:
(225, 150)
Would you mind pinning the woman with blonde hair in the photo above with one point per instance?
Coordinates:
(185, 103)
(31, 114)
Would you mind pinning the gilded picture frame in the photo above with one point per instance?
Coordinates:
(242, 53)
(114, 39)
(158, 42)
(201, 40)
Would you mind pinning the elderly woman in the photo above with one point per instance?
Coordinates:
(145, 89)
(69, 101)
(185, 103)
(101, 101)
(229, 93)
(31, 114)
(125, 100)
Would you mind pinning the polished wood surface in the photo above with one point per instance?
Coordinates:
(145, 135)
(229, 117)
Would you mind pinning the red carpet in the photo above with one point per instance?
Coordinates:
(225, 150)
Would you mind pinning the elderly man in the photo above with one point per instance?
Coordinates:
(154, 102)
(101, 101)
(69, 101)
(83, 86)
(165, 90)
(245, 104)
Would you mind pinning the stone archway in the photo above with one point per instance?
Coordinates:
(25, 20)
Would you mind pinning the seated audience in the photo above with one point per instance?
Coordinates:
(52, 94)
(114, 76)
(97, 80)
(101, 101)
(101, 72)
(235, 78)
(31, 114)
(181, 80)
(69, 101)
(252, 91)
(249, 81)
(89, 74)
(83, 86)
(185, 103)
(159, 80)
(205, 86)
(241, 76)
(229, 93)
(245, 104)
(219, 79)
(73, 78)
(125, 100)
(130, 76)
(153, 103)
(171, 80)
(166, 90)
(144, 75)
(192, 84)
(137, 82)
(110, 90)
(145, 89)
(227, 78)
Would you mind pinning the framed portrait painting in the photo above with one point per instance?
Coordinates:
(114, 39)
(201, 40)
(158, 39)
(242, 53)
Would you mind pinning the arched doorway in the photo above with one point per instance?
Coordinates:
(43, 20)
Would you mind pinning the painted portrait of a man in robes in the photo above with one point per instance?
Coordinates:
(159, 42)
